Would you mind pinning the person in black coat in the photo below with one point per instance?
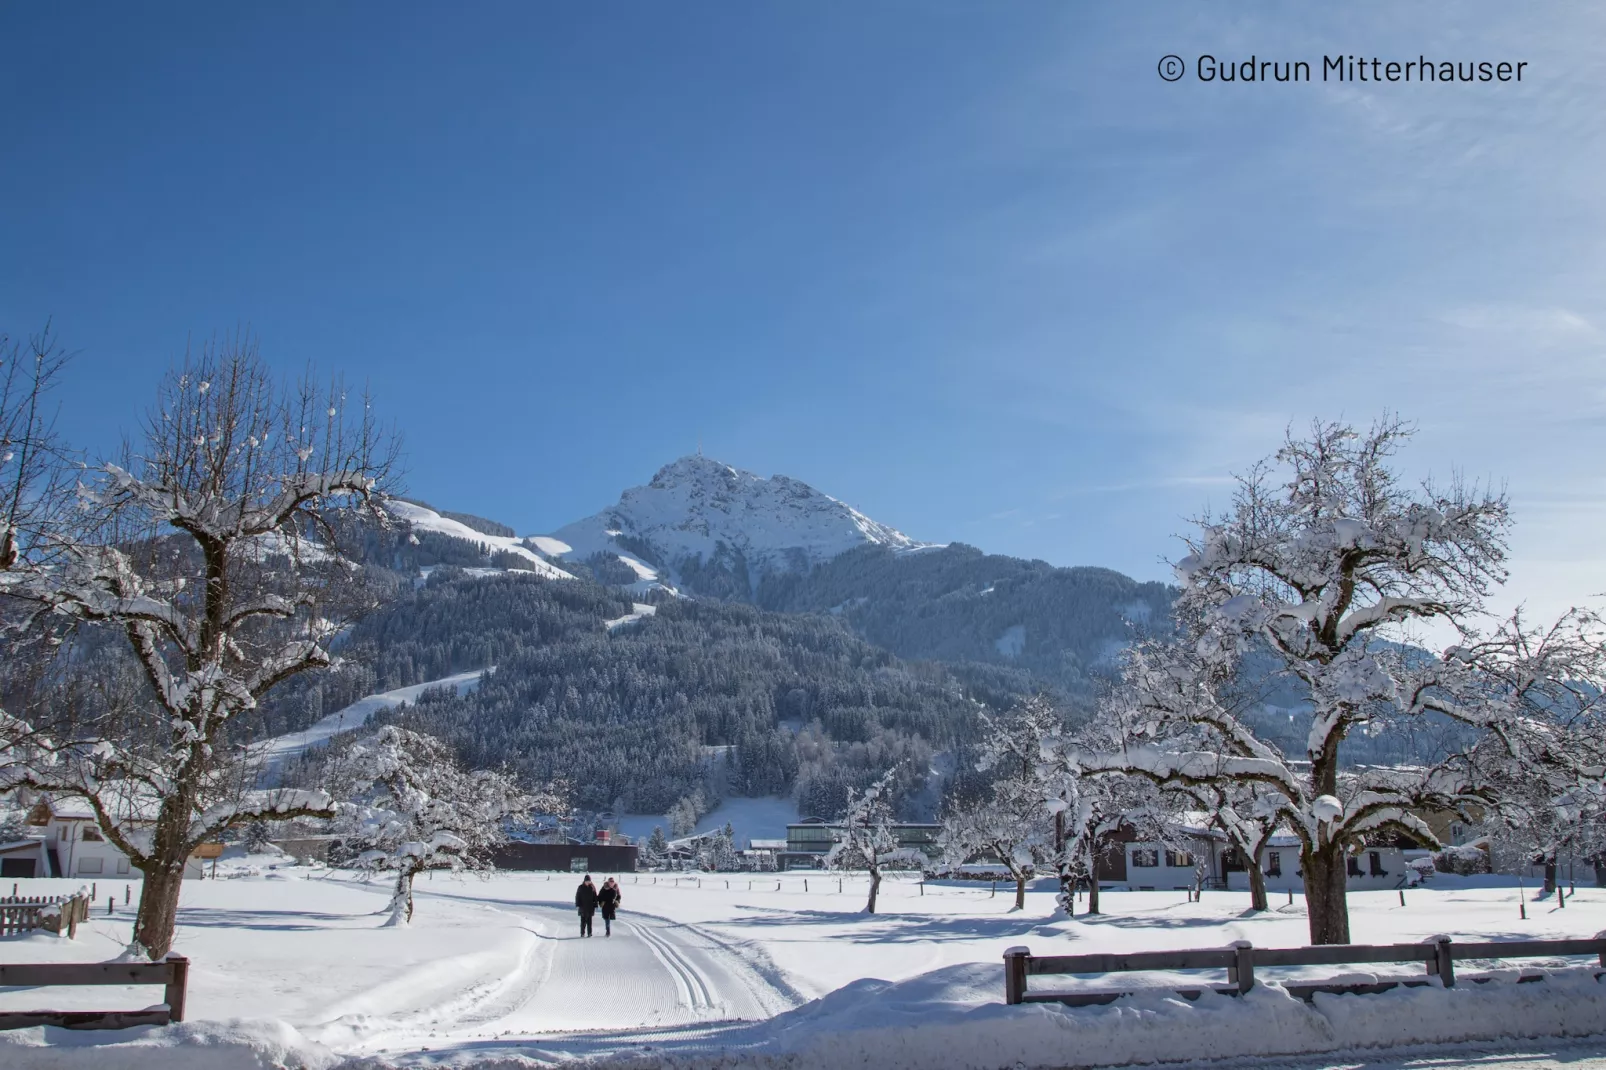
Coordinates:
(585, 901)
(609, 899)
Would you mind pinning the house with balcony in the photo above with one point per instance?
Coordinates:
(69, 843)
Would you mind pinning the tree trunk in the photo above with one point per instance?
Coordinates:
(1257, 887)
(875, 886)
(1550, 874)
(1600, 872)
(1325, 883)
(1020, 893)
(164, 878)
(1093, 881)
(401, 903)
(1062, 868)
(158, 910)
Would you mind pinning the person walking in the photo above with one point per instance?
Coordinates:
(585, 901)
(609, 899)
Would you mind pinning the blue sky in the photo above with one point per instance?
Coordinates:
(974, 268)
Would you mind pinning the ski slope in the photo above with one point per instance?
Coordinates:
(274, 752)
(426, 519)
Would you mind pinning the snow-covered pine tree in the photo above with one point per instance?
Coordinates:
(865, 838)
(410, 806)
(1321, 557)
(211, 549)
(657, 851)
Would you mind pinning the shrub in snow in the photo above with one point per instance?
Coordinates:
(1462, 861)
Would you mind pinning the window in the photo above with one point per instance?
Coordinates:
(92, 835)
(1274, 863)
(91, 865)
(122, 867)
(1375, 862)
(1145, 857)
(1179, 859)
(1353, 867)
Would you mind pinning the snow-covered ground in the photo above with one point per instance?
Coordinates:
(426, 519)
(786, 969)
(638, 610)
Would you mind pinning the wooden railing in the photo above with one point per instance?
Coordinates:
(53, 913)
(1241, 959)
(173, 972)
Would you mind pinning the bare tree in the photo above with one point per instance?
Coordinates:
(210, 548)
(1011, 824)
(1090, 809)
(411, 806)
(1320, 555)
(34, 495)
(866, 838)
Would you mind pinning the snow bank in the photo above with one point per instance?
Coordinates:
(227, 1045)
(952, 1018)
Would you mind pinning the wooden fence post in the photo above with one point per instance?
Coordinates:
(1015, 960)
(1242, 970)
(1441, 963)
(177, 980)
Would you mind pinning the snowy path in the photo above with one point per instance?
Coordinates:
(651, 972)
(652, 976)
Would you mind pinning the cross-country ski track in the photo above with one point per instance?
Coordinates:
(653, 977)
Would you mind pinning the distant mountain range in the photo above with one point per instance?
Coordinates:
(717, 632)
(706, 529)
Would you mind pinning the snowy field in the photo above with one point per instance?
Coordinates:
(294, 964)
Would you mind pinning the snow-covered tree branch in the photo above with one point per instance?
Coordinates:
(865, 839)
(411, 806)
(210, 548)
(1320, 560)
(1010, 825)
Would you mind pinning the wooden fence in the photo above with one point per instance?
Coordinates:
(174, 973)
(1241, 959)
(52, 913)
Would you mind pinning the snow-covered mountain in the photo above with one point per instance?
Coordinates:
(423, 518)
(710, 528)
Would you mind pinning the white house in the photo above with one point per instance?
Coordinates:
(72, 845)
(1142, 865)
